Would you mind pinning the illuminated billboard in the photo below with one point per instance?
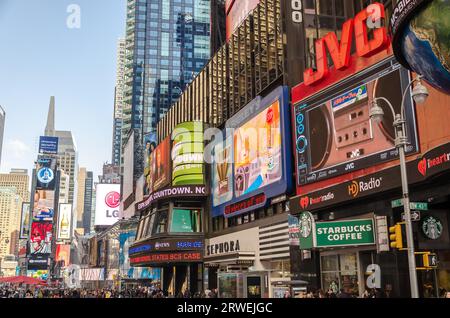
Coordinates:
(160, 166)
(41, 238)
(334, 134)
(64, 221)
(252, 164)
(187, 154)
(45, 173)
(43, 205)
(150, 142)
(107, 204)
(48, 145)
(25, 221)
(63, 254)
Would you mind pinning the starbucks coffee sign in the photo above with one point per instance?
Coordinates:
(432, 228)
(345, 233)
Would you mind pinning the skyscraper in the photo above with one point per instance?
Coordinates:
(2, 129)
(81, 181)
(167, 44)
(10, 208)
(118, 103)
(87, 211)
(67, 150)
(19, 179)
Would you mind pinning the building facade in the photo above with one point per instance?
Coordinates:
(10, 211)
(19, 179)
(167, 44)
(118, 103)
(87, 211)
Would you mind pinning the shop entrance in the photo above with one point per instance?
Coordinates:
(340, 272)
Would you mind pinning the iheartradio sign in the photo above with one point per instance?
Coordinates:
(107, 205)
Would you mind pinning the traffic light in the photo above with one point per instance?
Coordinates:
(426, 260)
(398, 236)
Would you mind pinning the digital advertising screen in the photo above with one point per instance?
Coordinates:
(25, 221)
(48, 145)
(64, 221)
(44, 205)
(252, 162)
(160, 165)
(45, 173)
(150, 142)
(236, 12)
(334, 134)
(187, 154)
(41, 238)
(63, 254)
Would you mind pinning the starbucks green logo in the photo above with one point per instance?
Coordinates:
(305, 225)
(432, 227)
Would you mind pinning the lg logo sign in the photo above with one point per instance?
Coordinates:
(112, 200)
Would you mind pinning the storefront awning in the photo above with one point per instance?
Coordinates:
(236, 258)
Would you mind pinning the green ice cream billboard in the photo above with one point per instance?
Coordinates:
(421, 39)
(187, 154)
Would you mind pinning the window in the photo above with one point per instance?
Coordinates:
(185, 221)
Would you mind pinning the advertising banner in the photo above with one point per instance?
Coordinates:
(125, 241)
(36, 262)
(39, 274)
(172, 192)
(64, 221)
(25, 221)
(184, 257)
(294, 231)
(222, 174)
(185, 221)
(107, 204)
(41, 238)
(260, 156)
(44, 205)
(150, 142)
(345, 233)
(45, 173)
(160, 166)
(187, 154)
(334, 134)
(158, 245)
(48, 145)
(63, 254)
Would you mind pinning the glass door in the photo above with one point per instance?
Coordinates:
(340, 272)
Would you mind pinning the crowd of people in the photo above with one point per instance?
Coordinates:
(10, 291)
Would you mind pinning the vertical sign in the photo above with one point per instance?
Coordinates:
(64, 221)
(294, 231)
(382, 234)
(25, 221)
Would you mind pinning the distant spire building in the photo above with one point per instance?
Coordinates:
(50, 127)
(67, 154)
(2, 128)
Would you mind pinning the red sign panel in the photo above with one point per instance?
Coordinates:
(245, 204)
(183, 257)
(236, 12)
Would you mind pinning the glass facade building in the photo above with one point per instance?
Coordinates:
(167, 44)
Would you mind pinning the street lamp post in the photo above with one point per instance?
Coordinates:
(419, 94)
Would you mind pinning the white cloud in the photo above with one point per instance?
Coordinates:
(16, 149)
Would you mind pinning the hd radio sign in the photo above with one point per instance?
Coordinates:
(108, 203)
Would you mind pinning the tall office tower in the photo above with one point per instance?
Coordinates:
(81, 181)
(167, 44)
(218, 25)
(118, 103)
(2, 129)
(10, 210)
(19, 179)
(67, 150)
(67, 156)
(64, 181)
(87, 211)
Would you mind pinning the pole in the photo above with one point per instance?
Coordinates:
(406, 204)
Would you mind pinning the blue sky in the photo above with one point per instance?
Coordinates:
(40, 57)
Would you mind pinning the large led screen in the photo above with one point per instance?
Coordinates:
(43, 205)
(252, 163)
(334, 134)
(41, 238)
